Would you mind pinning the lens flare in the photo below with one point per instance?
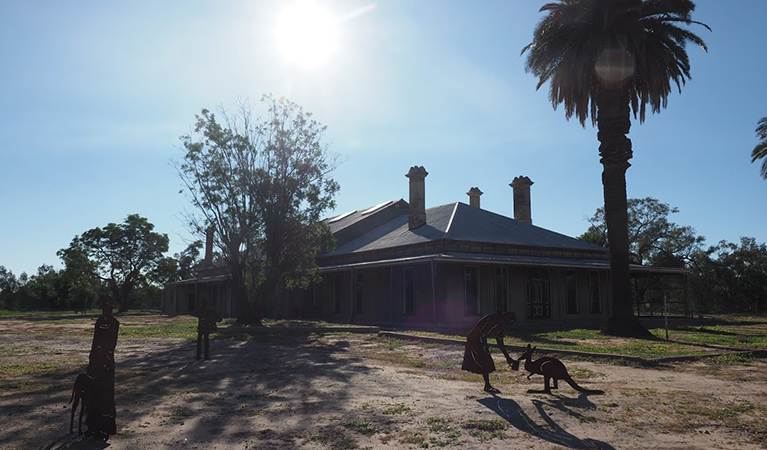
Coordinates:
(614, 65)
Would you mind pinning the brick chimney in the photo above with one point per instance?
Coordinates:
(474, 194)
(417, 216)
(521, 186)
(208, 261)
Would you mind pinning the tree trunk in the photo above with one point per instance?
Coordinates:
(244, 311)
(614, 123)
(267, 292)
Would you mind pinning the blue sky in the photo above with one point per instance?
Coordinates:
(96, 94)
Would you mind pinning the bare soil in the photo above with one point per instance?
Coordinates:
(357, 391)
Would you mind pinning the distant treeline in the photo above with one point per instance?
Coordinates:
(727, 277)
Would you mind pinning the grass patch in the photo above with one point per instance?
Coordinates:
(733, 359)
(332, 438)
(446, 433)
(399, 408)
(718, 414)
(582, 373)
(484, 430)
(739, 331)
(366, 428)
(14, 385)
(185, 329)
(415, 438)
(31, 369)
(642, 392)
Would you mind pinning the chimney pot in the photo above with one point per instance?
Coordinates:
(521, 186)
(474, 194)
(417, 213)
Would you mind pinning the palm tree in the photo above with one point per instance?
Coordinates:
(606, 58)
(760, 151)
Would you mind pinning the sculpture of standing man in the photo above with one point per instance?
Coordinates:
(206, 324)
(101, 369)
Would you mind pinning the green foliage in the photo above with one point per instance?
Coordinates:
(79, 274)
(9, 285)
(731, 277)
(584, 46)
(760, 151)
(653, 239)
(262, 185)
(186, 261)
(46, 289)
(123, 256)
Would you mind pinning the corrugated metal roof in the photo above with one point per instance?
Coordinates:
(461, 222)
(462, 257)
(350, 218)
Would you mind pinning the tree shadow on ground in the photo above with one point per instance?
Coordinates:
(706, 331)
(513, 413)
(75, 442)
(215, 398)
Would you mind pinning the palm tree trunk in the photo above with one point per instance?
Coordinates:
(614, 123)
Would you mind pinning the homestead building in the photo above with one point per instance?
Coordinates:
(400, 264)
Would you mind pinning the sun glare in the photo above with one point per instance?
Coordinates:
(306, 34)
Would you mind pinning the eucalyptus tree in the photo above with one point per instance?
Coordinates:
(760, 151)
(122, 256)
(653, 238)
(605, 59)
(262, 185)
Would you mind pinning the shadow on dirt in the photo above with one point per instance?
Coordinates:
(75, 442)
(215, 398)
(513, 413)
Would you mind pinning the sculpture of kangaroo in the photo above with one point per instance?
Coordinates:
(552, 369)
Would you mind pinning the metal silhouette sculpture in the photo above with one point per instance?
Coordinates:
(552, 370)
(477, 358)
(81, 395)
(101, 371)
(206, 324)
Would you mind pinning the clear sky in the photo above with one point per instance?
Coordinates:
(96, 94)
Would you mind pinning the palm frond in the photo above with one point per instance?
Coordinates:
(568, 40)
(760, 151)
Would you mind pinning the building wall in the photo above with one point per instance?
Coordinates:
(186, 298)
(384, 295)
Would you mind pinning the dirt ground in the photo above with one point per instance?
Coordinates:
(357, 391)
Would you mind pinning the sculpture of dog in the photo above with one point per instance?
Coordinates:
(81, 393)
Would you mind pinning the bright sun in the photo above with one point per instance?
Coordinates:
(306, 34)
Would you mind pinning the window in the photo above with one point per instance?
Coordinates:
(471, 290)
(337, 293)
(408, 290)
(595, 299)
(501, 289)
(358, 298)
(538, 300)
(571, 286)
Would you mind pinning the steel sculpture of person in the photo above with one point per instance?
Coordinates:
(101, 369)
(206, 324)
(477, 358)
